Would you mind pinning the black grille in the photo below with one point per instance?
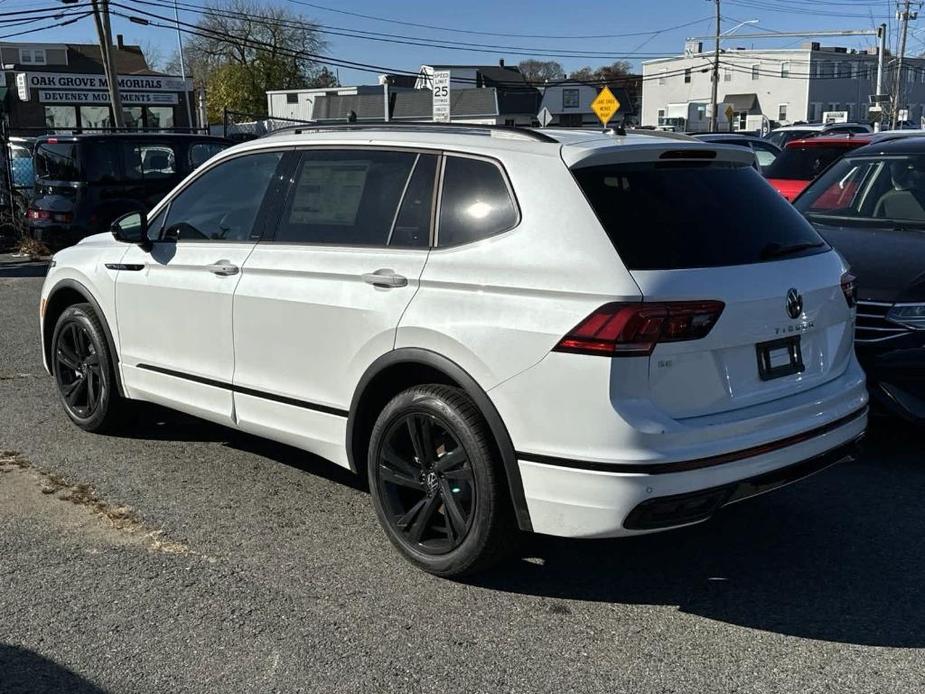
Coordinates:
(872, 325)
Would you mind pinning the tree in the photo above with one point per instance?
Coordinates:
(606, 73)
(540, 71)
(244, 49)
(324, 78)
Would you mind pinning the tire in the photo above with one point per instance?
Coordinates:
(84, 370)
(447, 512)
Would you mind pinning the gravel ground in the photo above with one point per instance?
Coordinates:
(185, 557)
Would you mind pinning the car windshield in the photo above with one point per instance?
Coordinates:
(671, 216)
(803, 163)
(887, 190)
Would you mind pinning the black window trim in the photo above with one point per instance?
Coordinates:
(167, 202)
(270, 237)
(510, 191)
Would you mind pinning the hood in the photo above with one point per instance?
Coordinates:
(889, 265)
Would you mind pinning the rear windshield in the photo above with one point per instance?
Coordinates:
(57, 162)
(663, 216)
(803, 163)
(782, 137)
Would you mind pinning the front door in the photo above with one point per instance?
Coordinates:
(174, 300)
(321, 300)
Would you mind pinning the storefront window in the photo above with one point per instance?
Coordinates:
(95, 117)
(60, 117)
(133, 116)
(160, 116)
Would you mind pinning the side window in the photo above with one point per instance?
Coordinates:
(156, 223)
(201, 152)
(347, 197)
(149, 161)
(412, 226)
(476, 202)
(222, 204)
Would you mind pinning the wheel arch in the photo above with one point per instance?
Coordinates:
(408, 366)
(68, 292)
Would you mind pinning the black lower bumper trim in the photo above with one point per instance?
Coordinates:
(692, 507)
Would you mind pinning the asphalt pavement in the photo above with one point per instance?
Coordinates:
(182, 556)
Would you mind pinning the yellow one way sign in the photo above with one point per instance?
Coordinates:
(605, 105)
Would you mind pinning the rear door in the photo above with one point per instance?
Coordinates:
(714, 231)
(320, 300)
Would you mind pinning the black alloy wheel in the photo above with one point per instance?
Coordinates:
(437, 482)
(84, 370)
(78, 370)
(426, 483)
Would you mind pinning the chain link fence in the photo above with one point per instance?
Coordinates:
(240, 126)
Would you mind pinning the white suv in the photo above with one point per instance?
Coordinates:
(575, 333)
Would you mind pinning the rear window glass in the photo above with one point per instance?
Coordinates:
(803, 163)
(150, 160)
(671, 216)
(201, 152)
(57, 162)
(476, 202)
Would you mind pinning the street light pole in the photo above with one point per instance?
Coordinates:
(186, 94)
(881, 48)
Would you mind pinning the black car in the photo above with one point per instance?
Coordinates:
(870, 206)
(765, 151)
(84, 182)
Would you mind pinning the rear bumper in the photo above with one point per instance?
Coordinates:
(693, 507)
(575, 502)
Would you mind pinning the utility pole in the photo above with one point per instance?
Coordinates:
(904, 16)
(715, 72)
(104, 32)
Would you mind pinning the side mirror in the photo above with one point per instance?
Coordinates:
(131, 228)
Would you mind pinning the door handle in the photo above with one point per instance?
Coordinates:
(224, 268)
(385, 278)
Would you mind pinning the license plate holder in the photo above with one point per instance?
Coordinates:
(779, 358)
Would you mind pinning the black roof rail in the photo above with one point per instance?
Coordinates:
(456, 128)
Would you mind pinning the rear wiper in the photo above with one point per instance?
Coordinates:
(776, 250)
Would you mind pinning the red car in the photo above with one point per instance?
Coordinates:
(803, 160)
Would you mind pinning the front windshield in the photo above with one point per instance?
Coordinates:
(881, 189)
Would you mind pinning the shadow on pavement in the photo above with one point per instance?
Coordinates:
(156, 423)
(838, 557)
(22, 670)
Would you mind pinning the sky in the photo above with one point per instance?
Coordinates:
(582, 32)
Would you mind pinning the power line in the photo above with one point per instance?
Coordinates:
(409, 40)
(205, 32)
(486, 33)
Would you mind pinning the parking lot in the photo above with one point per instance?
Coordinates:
(183, 556)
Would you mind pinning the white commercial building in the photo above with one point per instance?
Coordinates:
(782, 85)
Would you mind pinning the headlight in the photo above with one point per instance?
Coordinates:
(908, 315)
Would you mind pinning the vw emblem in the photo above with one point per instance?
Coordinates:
(794, 303)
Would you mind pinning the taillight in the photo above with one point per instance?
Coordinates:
(45, 216)
(632, 330)
(849, 288)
